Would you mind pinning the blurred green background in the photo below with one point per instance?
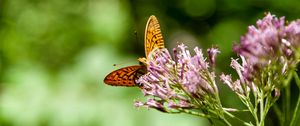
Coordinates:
(55, 54)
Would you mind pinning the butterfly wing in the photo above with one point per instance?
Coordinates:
(153, 36)
(125, 76)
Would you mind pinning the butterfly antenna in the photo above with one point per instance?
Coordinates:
(122, 63)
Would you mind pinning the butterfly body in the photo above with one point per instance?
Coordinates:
(127, 76)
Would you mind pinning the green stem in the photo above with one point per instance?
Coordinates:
(255, 106)
(209, 117)
(286, 100)
(295, 114)
(197, 114)
(235, 110)
(225, 121)
(297, 79)
(254, 113)
(268, 103)
(251, 108)
(288, 103)
(261, 123)
(234, 117)
(278, 113)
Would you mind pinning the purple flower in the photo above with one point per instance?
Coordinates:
(293, 33)
(233, 86)
(185, 82)
(151, 103)
(262, 43)
(269, 43)
(237, 86)
(268, 51)
(212, 53)
(193, 72)
(180, 104)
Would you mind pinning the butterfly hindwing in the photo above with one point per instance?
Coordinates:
(124, 76)
(153, 35)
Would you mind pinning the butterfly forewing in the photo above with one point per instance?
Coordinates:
(153, 35)
(125, 76)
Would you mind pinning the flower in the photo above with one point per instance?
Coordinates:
(185, 82)
(293, 33)
(268, 52)
(151, 103)
(241, 86)
(212, 53)
(269, 43)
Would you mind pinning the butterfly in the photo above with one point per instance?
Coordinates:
(127, 76)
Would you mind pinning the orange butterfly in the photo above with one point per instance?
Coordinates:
(127, 76)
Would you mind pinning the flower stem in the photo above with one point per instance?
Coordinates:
(234, 117)
(278, 113)
(253, 110)
(261, 123)
(286, 100)
(225, 121)
(197, 113)
(297, 79)
(288, 103)
(295, 114)
(235, 110)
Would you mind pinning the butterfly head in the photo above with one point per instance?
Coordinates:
(143, 61)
